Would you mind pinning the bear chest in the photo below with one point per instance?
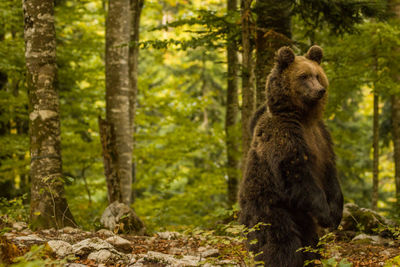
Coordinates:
(317, 150)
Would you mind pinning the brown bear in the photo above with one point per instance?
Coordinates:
(290, 183)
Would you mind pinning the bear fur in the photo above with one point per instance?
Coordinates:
(290, 183)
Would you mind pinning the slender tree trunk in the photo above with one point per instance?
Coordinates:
(273, 31)
(135, 12)
(375, 170)
(232, 142)
(204, 89)
(49, 206)
(394, 8)
(396, 142)
(118, 93)
(247, 79)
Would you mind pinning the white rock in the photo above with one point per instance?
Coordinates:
(105, 233)
(120, 243)
(29, 239)
(102, 256)
(175, 251)
(385, 253)
(169, 235)
(169, 260)
(19, 226)
(67, 238)
(106, 256)
(86, 246)
(70, 230)
(212, 252)
(373, 239)
(61, 248)
(26, 231)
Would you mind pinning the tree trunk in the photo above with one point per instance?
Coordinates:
(375, 170)
(273, 31)
(396, 142)
(394, 8)
(110, 156)
(49, 206)
(232, 146)
(118, 92)
(247, 79)
(135, 12)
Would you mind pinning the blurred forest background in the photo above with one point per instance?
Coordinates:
(181, 176)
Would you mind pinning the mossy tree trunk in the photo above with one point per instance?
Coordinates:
(49, 206)
(135, 12)
(247, 78)
(118, 98)
(231, 116)
(273, 31)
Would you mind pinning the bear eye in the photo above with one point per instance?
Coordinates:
(303, 76)
(317, 76)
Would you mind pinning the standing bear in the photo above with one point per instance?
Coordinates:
(290, 184)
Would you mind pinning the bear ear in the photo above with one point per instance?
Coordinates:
(284, 57)
(315, 53)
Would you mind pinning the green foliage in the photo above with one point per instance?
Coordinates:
(393, 262)
(14, 210)
(38, 256)
(321, 250)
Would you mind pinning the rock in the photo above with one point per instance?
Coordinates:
(107, 257)
(105, 233)
(60, 248)
(175, 251)
(167, 260)
(208, 252)
(89, 245)
(370, 239)
(29, 240)
(385, 253)
(70, 230)
(119, 217)
(19, 226)
(26, 231)
(362, 219)
(9, 235)
(120, 243)
(67, 238)
(50, 231)
(75, 265)
(169, 235)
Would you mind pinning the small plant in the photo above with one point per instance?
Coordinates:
(320, 250)
(230, 241)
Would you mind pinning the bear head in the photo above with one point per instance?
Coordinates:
(297, 85)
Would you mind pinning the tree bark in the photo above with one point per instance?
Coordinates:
(118, 92)
(273, 31)
(135, 12)
(49, 206)
(394, 8)
(395, 99)
(247, 79)
(375, 170)
(232, 146)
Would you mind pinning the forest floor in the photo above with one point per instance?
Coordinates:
(199, 248)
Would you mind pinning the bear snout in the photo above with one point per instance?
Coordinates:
(321, 93)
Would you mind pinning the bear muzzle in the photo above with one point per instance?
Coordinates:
(321, 93)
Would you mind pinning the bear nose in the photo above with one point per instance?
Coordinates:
(321, 92)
